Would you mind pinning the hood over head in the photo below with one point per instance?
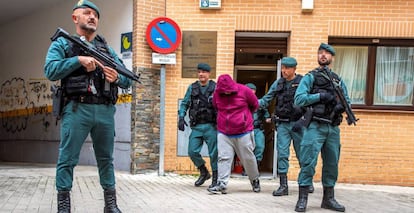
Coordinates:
(226, 85)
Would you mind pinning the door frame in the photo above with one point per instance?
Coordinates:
(270, 68)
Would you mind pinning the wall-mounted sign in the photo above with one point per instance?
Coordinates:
(198, 47)
(163, 35)
(158, 58)
(126, 45)
(210, 4)
(126, 42)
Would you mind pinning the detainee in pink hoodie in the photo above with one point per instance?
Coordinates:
(235, 104)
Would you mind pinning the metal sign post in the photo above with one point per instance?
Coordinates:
(162, 117)
(163, 36)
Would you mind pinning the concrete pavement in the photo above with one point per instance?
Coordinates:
(31, 188)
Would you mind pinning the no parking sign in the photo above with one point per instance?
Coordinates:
(163, 35)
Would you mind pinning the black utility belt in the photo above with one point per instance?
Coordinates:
(321, 120)
(204, 122)
(282, 119)
(90, 99)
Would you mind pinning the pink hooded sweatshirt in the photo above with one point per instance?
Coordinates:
(235, 104)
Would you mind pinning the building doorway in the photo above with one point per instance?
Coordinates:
(256, 61)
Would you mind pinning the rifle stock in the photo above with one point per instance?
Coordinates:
(93, 52)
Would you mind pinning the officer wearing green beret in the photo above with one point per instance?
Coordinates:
(262, 114)
(316, 92)
(286, 115)
(91, 90)
(197, 101)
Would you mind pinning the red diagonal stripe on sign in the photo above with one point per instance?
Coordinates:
(163, 34)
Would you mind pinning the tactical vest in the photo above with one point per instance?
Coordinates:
(323, 84)
(201, 106)
(285, 109)
(89, 87)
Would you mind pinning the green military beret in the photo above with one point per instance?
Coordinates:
(251, 86)
(289, 62)
(327, 47)
(85, 4)
(203, 66)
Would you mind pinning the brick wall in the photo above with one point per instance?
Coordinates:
(379, 150)
(145, 109)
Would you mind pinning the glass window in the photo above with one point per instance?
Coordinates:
(394, 77)
(351, 64)
(378, 72)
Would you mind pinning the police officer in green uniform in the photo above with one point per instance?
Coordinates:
(316, 92)
(90, 89)
(197, 101)
(262, 114)
(286, 114)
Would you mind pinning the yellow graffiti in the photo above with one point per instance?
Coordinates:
(26, 112)
(122, 99)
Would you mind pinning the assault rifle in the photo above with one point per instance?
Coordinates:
(98, 55)
(350, 116)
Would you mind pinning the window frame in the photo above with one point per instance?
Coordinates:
(373, 44)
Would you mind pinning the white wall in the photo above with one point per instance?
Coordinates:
(23, 47)
(24, 43)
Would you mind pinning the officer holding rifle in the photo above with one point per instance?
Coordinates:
(90, 90)
(325, 96)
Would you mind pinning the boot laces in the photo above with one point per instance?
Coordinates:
(64, 204)
(111, 201)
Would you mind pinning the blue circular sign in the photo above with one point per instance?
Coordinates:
(163, 35)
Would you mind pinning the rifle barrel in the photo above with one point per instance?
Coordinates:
(96, 54)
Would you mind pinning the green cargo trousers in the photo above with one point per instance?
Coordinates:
(285, 135)
(77, 122)
(259, 139)
(322, 138)
(201, 133)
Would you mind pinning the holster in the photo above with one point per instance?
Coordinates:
(58, 100)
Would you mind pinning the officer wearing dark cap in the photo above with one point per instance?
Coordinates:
(316, 92)
(197, 101)
(86, 4)
(261, 115)
(286, 115)
(91, 91)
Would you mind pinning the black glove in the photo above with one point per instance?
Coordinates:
(181, 123)
(339, 109)
(326, 97)
(297, 127)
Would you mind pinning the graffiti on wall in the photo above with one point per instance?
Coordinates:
(29, 102)
(19, 100)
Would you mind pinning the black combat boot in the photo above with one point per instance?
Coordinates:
(214, 180)
(283, 188)
(311, 189)
(110, 201)
(303, 199)
(204, 175)
(63, 201)
(329, 202)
